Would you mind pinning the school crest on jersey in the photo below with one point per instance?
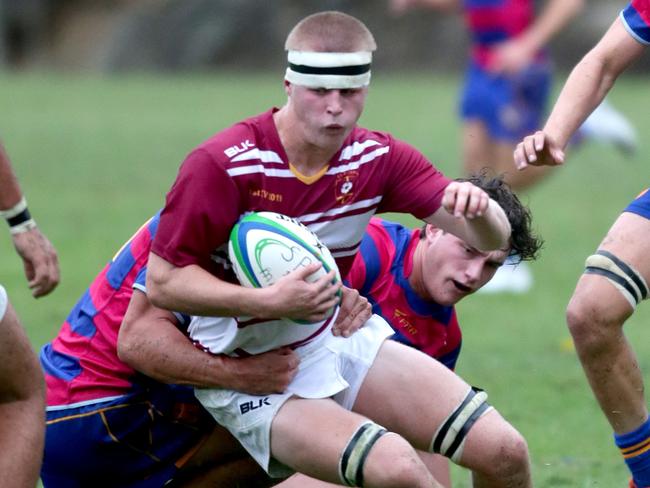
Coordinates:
(345, 186)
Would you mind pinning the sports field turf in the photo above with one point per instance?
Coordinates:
(96, 155)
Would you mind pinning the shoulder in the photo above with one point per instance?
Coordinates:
(365, 143)
(240, 138)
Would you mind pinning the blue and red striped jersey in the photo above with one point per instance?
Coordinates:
(380, 272)
(491, 22)
(636, 19)
(81, 363)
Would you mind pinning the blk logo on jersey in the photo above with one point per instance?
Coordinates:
(241, 147)
(251, 405)
(345, 186)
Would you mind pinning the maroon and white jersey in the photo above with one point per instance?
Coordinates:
(245, 168)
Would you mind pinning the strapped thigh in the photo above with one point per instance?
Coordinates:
(623, 276)
(449, 439)
(355, 453)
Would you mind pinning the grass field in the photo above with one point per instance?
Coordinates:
(96, 156)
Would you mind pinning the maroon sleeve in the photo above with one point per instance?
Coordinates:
(414, 185)
(201, 208)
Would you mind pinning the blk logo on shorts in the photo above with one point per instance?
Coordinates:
(253, 405)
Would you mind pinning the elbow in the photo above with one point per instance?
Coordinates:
(124, 350)
(155, 284)
(127, 345)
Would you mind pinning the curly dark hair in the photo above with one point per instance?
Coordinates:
(524, 243)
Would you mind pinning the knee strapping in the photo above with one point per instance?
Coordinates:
(449, 439)
(355, 453)
(623, 276)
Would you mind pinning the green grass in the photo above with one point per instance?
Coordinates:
(96, 156)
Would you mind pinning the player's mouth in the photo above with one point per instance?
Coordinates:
(462, 288)
(334, 128)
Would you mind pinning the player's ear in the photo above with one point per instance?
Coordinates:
(432, 232)
(287, 87)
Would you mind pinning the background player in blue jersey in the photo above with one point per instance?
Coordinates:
(506, 88)
(413, 278)
(616, 277)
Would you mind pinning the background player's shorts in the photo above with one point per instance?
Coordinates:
(138, 440)
(640, 205)
(510, 106)
(331, 366)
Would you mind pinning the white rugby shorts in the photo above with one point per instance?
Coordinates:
(329, 367)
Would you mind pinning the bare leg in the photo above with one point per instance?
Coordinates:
(596, 315)
(495, 452)
(436, 464)
(311, 435)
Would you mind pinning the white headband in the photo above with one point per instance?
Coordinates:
(329, 70)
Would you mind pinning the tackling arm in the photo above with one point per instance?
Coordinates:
(22, 406)
(150, 342)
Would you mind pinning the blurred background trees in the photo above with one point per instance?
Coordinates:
(172, 35)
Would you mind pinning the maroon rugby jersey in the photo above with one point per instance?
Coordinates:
(245, 168)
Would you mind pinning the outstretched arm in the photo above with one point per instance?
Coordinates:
(585, 88)
(38, 255)
(22, 405)
(469, 213)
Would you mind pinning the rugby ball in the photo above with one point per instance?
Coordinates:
(265, 246)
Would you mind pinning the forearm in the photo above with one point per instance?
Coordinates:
(165, 354)
(590, 81)
(193, 290)
(10, 193)
(150, 342)
(555, 16)
(487, 232)
(585, 88)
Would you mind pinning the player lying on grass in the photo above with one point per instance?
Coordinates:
(310, 161)
(616, 276)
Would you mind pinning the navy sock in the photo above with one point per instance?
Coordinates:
(635, 448)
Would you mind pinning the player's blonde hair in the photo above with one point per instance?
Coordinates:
(330, 31)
